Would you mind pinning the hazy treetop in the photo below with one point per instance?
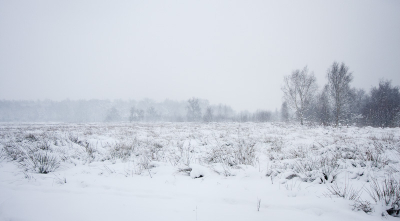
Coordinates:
(234, 52)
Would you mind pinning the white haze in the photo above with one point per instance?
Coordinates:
(233, 52)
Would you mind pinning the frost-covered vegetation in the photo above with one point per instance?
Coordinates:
(360, 166)
(338, 103)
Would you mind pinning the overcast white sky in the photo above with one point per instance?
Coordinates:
(234, 52)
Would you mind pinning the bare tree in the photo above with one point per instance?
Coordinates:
(284, 112)
(339, 79)
(298, 90)
(383, 106)
(357, 103)
(209, 115)
(193, 109)
(151, 114)
(323, 107)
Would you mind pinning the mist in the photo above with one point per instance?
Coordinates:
(231, 52)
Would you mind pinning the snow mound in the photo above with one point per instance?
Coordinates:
(198, 171)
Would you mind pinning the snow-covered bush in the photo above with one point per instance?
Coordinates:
(363, 205)
(386, 193)
(3, 154)
(324, 168)
(33, 153)
(345, 191)
(197, 171)
(233, 154)
(41, 162)
(121, 151)
(88, 149)
(13, 152)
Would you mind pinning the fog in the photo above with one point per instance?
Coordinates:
(230, 52)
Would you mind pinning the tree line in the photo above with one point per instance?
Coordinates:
(146, 110)
(337, 103)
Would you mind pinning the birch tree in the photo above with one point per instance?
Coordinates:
(284, 112)
(339, 79)
(323, 108)
(298, 89)
(193, 109)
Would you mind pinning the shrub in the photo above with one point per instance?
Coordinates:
(121, 151)
(31, 137)
(36, 157)
(363, 206)
(3, 154)
(41, 162)
(324, 168)
(233, 154)
(388, 192)
(346, 191)
(13, 151)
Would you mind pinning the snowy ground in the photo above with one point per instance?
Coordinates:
(185, 171)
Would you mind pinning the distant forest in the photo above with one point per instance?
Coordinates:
(145, 110)
(335, 104)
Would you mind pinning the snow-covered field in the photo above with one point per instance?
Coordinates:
(190, 171)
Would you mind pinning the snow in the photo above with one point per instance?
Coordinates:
(171, 175)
